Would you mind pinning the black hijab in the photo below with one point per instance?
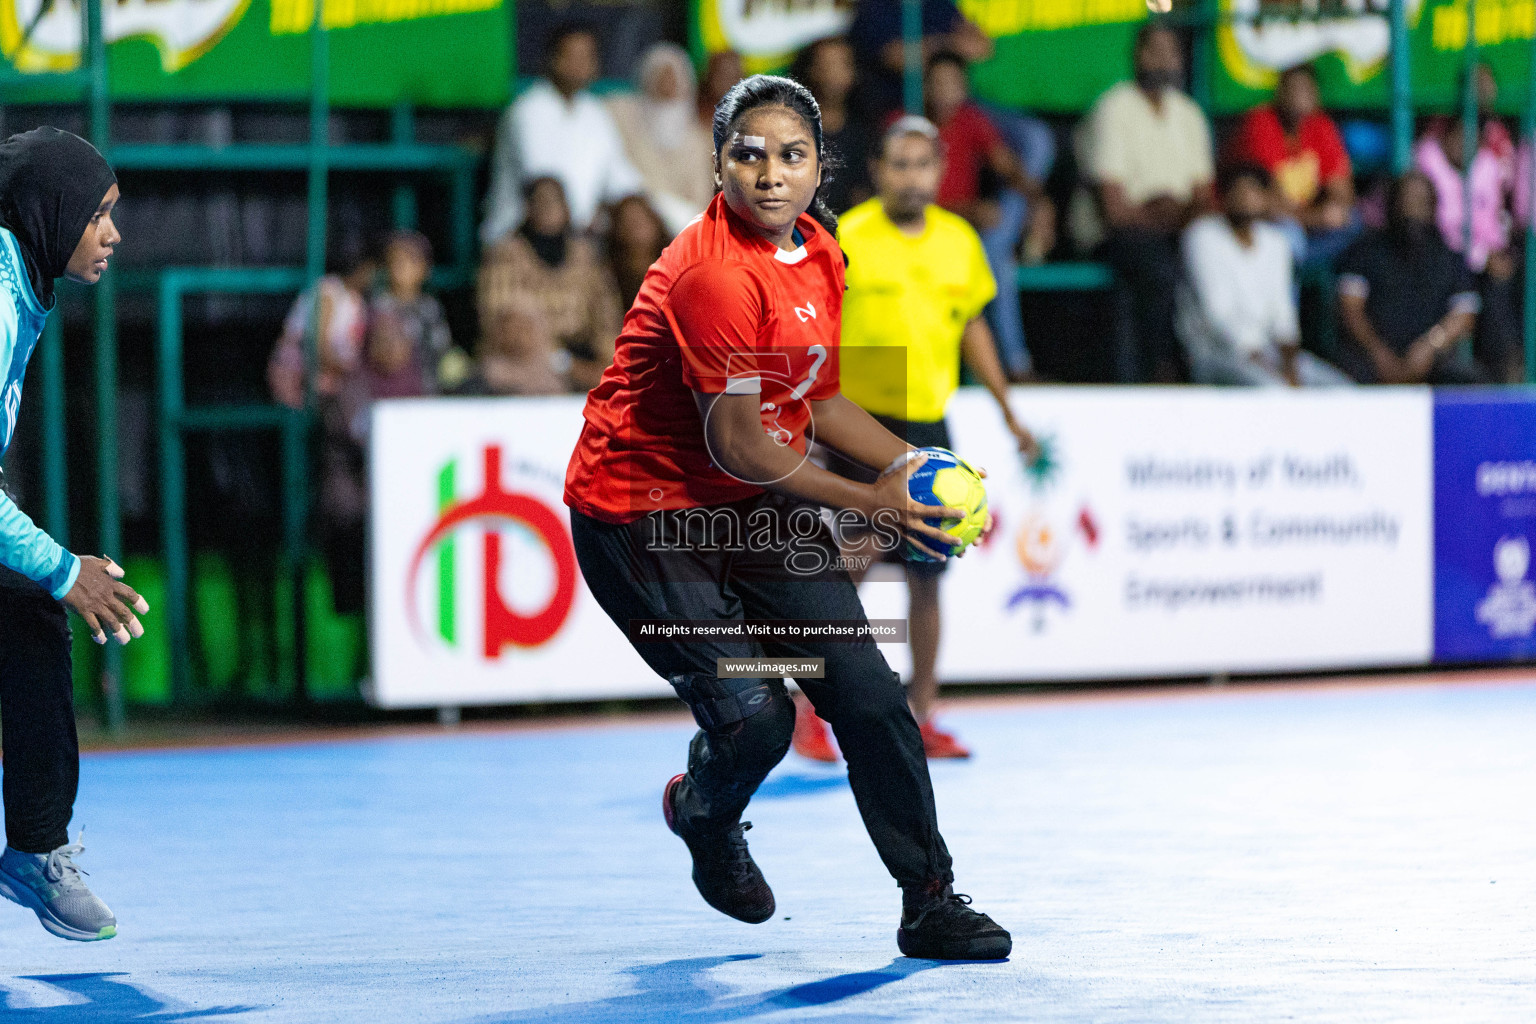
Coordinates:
(51, 184)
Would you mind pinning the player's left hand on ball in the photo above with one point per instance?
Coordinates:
(106, 603)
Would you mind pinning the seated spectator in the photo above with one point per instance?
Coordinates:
(1145, 152)
(546, 304)
(558, 129)
(723, 70)
(637, 239)
(881, 51)
(407, 264)
(343, 323)
(1440, 154)
(1405, 299)
(662, 134)
(1237, 309)
(826, 68)
(974, 148)
(1300, 147)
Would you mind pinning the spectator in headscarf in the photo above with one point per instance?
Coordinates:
(548, 312)
(664, 138)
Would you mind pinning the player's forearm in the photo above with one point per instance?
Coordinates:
(842, 425)
(28, 550)
(756, 459)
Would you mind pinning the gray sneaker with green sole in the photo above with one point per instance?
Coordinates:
(49, 884)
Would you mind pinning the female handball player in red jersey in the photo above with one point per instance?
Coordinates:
(691, 499)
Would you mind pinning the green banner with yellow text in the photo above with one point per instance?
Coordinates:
(1059, 55)
(1351, 54)
(448, 53)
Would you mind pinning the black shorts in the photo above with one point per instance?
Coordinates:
(914, 432)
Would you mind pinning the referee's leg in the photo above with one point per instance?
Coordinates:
(37, 717)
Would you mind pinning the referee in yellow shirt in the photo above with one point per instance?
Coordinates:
(917, 283)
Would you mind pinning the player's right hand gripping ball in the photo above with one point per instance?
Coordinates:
(947, 479)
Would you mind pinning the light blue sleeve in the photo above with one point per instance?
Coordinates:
(34, 554)
(23, 547)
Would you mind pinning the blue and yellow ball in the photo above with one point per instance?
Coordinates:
(947, 479)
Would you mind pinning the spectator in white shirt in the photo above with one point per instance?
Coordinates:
(1236, 305)
(558, 129)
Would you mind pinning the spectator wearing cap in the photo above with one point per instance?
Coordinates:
(1300, 146)
(1405, 299)
(558, 129)
(974, 149)
(1145, 152)
(1237, 310)
(662, 134)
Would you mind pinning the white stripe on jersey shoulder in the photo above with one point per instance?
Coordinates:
(791, 257)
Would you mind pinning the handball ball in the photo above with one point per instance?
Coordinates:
(946, 479)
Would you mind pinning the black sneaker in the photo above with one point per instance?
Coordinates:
(723, 869)
(944, 927)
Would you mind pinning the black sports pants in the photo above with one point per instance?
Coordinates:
(671, 565)
(37, 711)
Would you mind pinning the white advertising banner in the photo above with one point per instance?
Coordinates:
(476, 597)
(1171, 531)
(1183, 530)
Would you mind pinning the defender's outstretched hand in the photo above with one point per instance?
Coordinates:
(104, 602)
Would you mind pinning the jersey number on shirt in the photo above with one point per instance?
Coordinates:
(778, 433)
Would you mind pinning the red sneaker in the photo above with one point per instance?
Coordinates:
(812, 738)
(937, 743)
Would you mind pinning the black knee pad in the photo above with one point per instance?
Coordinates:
(718, 704)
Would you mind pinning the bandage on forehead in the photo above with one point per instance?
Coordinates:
(754, 142)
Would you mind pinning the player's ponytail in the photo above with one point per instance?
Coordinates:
(773, 91)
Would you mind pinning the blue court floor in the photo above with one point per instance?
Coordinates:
(1316, 853)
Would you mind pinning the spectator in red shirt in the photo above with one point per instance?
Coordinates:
(1299, 145)
(973, 147)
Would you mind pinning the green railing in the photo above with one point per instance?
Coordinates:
(317, 159)
(176, 421)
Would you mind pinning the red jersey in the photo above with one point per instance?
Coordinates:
(722, 309)
(1299, 163)
(968, 139)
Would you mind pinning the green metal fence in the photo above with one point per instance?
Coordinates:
(403, 156)
(317, 158)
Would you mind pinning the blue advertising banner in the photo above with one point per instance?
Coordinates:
(1485, 525)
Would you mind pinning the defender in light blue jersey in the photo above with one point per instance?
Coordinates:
(56, 199)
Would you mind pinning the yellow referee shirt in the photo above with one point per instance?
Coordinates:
(908, 301)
